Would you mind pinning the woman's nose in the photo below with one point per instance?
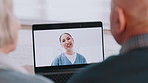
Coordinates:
(66, 41)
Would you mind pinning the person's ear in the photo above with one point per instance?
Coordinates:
(73, 39)
(120, 20)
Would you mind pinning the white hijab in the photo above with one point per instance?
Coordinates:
(7, 63)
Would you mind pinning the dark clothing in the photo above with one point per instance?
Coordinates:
(130, 67)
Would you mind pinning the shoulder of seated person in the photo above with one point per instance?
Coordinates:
(7, 76)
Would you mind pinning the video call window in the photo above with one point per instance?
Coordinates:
(68, 46)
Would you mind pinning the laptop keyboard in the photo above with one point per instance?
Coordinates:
(59, 78)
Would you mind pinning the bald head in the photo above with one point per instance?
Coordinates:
(132, 15)
(134, 8)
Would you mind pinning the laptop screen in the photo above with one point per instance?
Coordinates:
(68, 44)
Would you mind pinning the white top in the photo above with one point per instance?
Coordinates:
(7, 63)
(71, 58)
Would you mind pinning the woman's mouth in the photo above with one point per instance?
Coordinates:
(68, 45)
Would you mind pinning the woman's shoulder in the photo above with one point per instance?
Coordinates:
(23, 78)
(7, 62)
(61, 55)
(80, 55)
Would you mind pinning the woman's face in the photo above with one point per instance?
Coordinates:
(67, 42)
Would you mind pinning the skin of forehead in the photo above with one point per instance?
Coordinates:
(65, 35)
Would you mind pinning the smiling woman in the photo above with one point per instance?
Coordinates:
(69, 57)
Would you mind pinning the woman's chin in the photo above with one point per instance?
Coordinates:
(69, 49)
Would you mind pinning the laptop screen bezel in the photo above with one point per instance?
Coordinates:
(54, 26)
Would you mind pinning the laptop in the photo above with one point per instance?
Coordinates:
(62, 49)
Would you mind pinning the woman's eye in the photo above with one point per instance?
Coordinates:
(68, 38)
(63, 40)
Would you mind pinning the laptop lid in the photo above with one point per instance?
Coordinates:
(67, 45)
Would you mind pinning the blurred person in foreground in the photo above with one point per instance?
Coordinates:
(129, 26)
(10, 72)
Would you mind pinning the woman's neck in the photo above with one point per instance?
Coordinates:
(70, 52)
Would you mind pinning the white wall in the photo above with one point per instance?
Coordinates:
(37, 11)
(27, 9)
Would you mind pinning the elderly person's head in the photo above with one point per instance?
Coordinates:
(129, 18)
(9, 27)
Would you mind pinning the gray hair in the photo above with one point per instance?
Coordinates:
(7, 34)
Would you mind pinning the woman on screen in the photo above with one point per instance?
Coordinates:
(69, 57)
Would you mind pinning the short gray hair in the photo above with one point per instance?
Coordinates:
(7, 35)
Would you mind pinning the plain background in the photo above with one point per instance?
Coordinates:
(87, 42)
(40, 11)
